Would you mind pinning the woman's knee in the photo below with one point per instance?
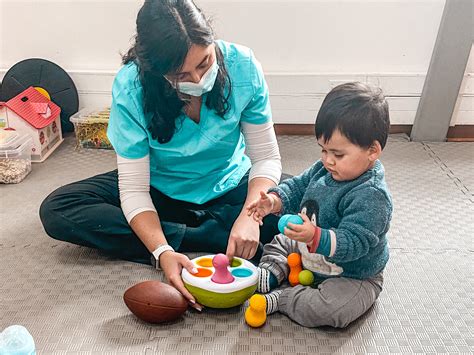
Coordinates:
(49, 216)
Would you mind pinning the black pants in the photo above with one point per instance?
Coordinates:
(88, 213)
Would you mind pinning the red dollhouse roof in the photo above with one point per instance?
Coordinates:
(34, 108)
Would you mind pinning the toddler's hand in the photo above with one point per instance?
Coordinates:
(261, 207)
(301, 232)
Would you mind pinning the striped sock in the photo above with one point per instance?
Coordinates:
(266, 281)
(272, 301)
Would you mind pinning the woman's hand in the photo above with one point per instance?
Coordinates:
(172, 263)
(301, 232)
(244, 238)
(261, 207)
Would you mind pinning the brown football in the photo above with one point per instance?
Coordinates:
(155, 301)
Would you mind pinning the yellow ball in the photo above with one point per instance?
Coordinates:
(306, 278)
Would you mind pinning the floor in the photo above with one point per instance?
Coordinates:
(70, 297)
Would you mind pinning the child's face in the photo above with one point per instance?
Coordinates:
(345, 160)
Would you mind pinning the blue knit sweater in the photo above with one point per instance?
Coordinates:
(358, 211)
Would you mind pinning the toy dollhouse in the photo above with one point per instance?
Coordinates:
(33, 113)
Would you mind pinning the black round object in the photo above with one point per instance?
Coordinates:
(51, 77)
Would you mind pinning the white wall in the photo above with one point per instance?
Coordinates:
(305, 46)
(464, 111)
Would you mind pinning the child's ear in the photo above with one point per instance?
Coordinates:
(375, 150)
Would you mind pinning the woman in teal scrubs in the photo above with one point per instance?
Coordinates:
(191, 125)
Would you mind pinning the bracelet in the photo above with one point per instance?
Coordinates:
(158, 251)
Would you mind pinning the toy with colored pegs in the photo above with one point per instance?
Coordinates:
(220, 284)
(256, 314)
(288, 218)
(221, 275)
(294, 262)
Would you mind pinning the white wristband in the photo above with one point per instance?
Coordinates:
(160, 250)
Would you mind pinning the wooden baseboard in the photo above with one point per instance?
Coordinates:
(282, 129)
(401, 128)
(308, 129)
(461, 133)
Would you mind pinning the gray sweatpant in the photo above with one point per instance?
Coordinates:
(334, 301)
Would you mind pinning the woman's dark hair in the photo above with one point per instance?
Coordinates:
(359, 111)
(166, 30)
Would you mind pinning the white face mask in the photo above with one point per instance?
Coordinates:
(205, 84)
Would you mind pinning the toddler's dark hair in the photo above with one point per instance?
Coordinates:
(359, 111)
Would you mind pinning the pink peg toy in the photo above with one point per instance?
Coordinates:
(221, 274)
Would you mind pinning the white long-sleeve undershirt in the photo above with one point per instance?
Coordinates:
(134, 186)
(262, 149)
(134, 174)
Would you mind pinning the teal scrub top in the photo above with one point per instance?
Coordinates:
(202, 160)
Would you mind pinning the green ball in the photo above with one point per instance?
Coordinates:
(306, 278)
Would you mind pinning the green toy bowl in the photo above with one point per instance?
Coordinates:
(221, 300)
(221, 295)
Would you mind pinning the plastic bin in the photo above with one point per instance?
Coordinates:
(15, 156)
(90, 126)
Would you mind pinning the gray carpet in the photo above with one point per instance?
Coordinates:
(70, 297)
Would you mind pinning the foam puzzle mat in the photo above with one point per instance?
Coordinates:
(70, 297)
